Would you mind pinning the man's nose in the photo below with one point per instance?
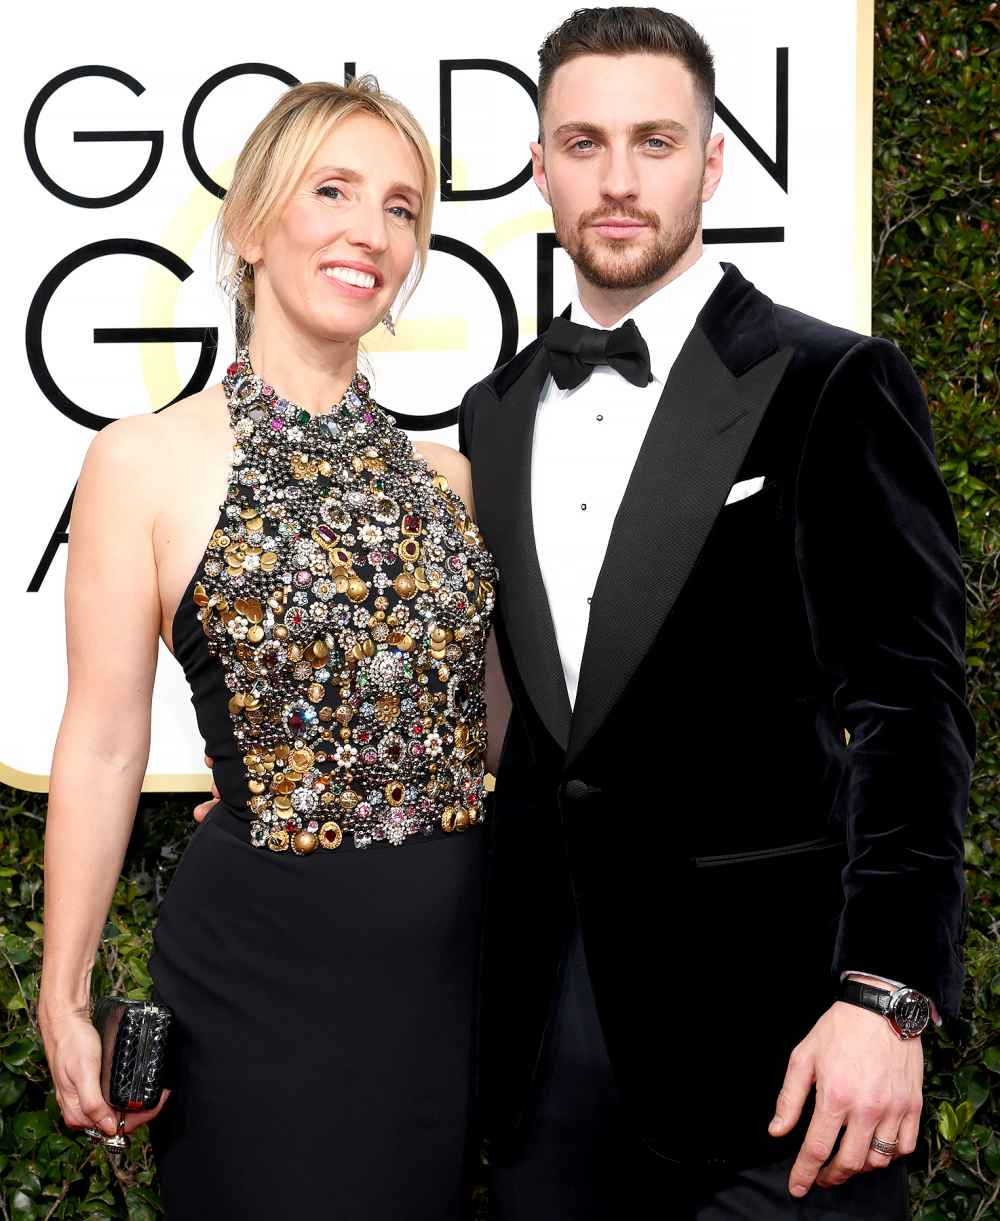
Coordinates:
(620, 179)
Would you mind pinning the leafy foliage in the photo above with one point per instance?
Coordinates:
(935, 233)
(46, 1171)
(935, 293)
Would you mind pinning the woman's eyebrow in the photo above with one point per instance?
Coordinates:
(342, 171)
(404, 188)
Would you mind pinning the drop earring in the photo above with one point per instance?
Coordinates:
(230, 284)
(388, 323)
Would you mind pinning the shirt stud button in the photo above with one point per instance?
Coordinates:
(600, 417)
(583, 506)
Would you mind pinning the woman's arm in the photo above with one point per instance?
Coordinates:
(456, 469)
(112, 627)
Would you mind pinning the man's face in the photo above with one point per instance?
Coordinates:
(624, 166)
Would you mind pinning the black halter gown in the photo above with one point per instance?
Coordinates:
(319, 941)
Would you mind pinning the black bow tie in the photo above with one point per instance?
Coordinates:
(575, 350)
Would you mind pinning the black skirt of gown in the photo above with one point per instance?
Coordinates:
(324, 1011)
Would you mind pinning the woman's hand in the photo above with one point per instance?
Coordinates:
(202, 810)
(73, 1048)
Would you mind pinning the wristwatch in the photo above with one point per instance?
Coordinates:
(906, 1010)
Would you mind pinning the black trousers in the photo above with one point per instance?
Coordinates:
(580, 1162)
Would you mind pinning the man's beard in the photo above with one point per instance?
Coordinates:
(616, 263)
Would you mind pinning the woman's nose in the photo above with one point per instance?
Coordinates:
(369, 230)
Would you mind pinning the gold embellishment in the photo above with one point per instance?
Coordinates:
(330, 836)
(348, 600)
(304, 842)
(405, 585)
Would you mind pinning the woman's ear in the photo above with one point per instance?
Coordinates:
(251, 249)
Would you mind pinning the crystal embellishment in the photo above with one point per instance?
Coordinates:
(348, 597)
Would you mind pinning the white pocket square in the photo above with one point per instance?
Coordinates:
(745, 488)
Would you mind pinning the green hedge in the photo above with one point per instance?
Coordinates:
(935, 282)
(935, 233)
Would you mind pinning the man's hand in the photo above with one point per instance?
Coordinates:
(201, 811)
(867, 1079)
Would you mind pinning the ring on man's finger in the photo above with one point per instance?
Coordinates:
(885, 1147)
(95, 1134)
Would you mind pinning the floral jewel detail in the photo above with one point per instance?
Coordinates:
(348, 598)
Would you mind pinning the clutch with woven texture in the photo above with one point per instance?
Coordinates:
(134, 1045)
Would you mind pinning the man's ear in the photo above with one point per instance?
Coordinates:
(538, 170)
(712, 175)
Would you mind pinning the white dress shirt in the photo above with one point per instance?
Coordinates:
(586, 442)
(585, 446)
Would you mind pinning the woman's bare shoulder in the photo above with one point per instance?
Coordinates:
(193, 413)
(139, 451)
(448, 462)
(205, 409)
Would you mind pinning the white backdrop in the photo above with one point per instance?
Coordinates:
(92, 135)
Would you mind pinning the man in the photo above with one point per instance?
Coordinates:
(731, 618)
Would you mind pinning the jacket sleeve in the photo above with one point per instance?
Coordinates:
(884, 591)
(465, 411)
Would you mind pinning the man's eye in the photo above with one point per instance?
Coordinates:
(657, 142)
(584, 140)
(327, 191)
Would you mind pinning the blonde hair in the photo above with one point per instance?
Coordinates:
(276, 155)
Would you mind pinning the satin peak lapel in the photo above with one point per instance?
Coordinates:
(698, 437)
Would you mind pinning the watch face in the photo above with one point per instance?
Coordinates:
(910, 1011)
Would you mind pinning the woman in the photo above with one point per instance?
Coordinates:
(333, 633)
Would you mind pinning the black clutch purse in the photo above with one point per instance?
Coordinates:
(134, 1049)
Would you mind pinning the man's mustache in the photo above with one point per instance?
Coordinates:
(600, 216)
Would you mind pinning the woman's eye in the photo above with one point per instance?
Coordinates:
(406, 213)
(327, 191)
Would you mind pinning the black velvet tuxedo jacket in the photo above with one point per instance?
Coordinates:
(701, 811)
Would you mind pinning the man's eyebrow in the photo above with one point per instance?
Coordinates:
(581, 128)
(649, 126)
(672, 126)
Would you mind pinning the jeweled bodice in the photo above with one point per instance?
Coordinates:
(348, 597)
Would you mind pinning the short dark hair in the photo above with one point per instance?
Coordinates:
(625, 30)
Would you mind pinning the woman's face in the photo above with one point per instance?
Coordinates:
(335, 259)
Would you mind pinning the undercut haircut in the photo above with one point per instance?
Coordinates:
(626, 30)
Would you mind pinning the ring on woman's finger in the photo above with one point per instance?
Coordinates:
(886, 1147)
(95, 1134)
